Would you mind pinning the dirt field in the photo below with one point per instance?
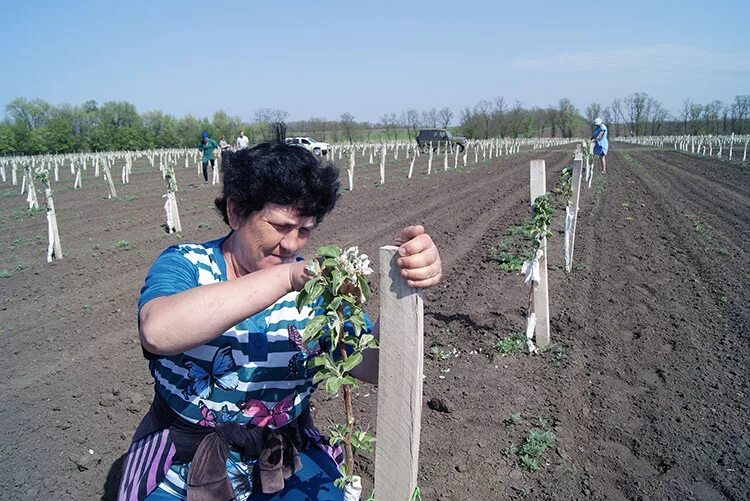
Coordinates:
(646, 391)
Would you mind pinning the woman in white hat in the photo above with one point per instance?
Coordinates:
(601, 145)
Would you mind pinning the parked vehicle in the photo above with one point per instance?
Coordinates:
(309, 144)
(439, 138)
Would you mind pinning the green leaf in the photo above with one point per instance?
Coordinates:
(329, 251)
(310, 284)
(321, 375)
(361, 440)
(349, 380)
(335, 303)
(364, 288)
(337, 278)
(313, 267)
(358, 323)
(368, 341)
(329, 263)
(302, 300)
(316, 291)
(333, 385)
(351, 341)
(326, 361)
(352, 361)
(313, 328)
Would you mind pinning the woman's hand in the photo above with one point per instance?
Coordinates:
(298, 275)
(419, 258)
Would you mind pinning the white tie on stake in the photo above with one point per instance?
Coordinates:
(530, 327)
(530, 270)
(568, 235)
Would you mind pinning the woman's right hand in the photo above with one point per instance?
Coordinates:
(298, 275)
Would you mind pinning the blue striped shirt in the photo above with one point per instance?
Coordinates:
(254, 372)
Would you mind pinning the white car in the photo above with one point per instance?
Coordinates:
(309, 144)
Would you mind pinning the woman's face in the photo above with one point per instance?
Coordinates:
(274, 235)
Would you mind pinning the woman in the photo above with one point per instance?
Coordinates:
(231, 412)
(223, 145)
(207, 147)
(601, 145)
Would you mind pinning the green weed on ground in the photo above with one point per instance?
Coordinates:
(124, 245)
(27, 213)
(514, 249)
(536, 442)
(512, 344)
(534, 446)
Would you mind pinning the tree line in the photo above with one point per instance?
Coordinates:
(37, 127)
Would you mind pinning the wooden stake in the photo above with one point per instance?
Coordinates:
(399, 382)
(538, 187)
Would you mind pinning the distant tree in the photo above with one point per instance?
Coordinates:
(606, 116)
(59, 134)
(740, 111)
(29, 114)
(658, 116)
(514, 120)
(593, 111)
(160, 129)
(225, 125)
(411, 117)
(483, 112)
(694, 115)
(711, 114)
(446, 115)
(500, 125)
(7, 138)
(263, 118)
(687, 106)
(390, 124)
(469, 124)
(539, 121)
(429, 118)
(567, 114)
(618, 117)
(347, 123)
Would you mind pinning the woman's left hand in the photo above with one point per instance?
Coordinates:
(419, 258)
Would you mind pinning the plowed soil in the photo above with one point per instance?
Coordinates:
(646, 387)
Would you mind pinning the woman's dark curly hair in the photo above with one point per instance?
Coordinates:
(278, 173)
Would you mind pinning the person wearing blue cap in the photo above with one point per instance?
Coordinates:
(601, 145)
(207, 146)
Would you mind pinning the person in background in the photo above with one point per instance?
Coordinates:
(207, 147)
(601, 145)
(233, 379)
(242, 141)
(223, 144)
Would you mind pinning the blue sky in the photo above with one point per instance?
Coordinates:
(325, 58)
